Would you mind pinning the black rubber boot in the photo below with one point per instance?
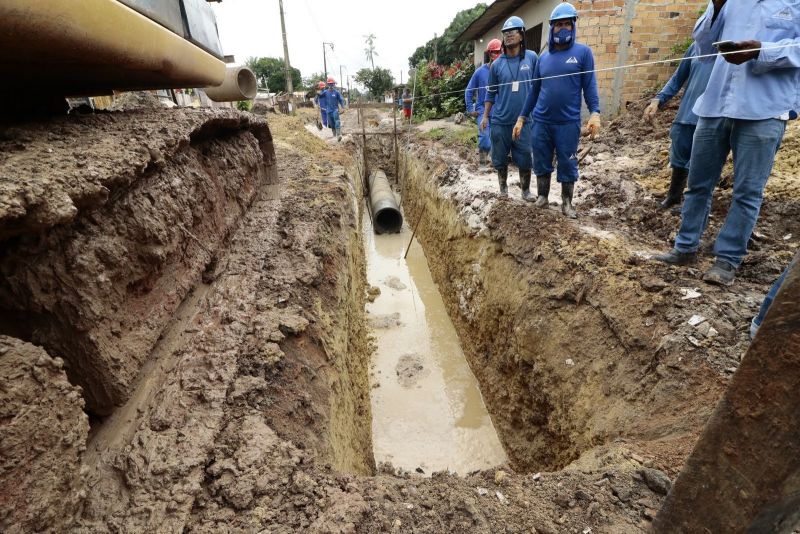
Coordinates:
(525, 184)
(721, 273)
(543, 190)
(482, 157)
(502, 179)
(676, 186)
(566, 200)
(674, 257)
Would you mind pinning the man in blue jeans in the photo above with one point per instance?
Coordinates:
(694, 73)
(509, 83)
(752, 90)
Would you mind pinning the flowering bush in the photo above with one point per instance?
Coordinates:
(440, 88)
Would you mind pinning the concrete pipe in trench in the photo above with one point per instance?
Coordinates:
(386, 215)
(239, 84)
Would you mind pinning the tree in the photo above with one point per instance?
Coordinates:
(312, 81)
(271, 72)
(377, 80)
(369, 51)
(448, 50)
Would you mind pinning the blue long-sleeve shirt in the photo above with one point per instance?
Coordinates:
(507, 103)
(762, 88)
(321, 100)
(694, 71)
(558, 100)
(476, 88)
(333, 99)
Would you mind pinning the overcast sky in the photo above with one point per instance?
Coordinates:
(253, 28)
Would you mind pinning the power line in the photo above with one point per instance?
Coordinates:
(623, 67)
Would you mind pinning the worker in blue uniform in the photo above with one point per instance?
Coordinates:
(333, 101)
(321, 101)
(563, 74)
(695, 73)
(509, 84)
(475, 95)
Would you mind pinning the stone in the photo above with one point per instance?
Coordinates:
(656, 480)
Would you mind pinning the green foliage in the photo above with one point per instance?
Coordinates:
(271, 72)
(377, 81)
(681, 48)
(447, 50)
(440, 89)
(312, 81)
(244, 105)
(458, 136)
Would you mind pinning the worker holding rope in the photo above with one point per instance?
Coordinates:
(753, 90)
(563, 73)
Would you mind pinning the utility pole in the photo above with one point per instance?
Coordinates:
(435, 46)
(324, 58)
(287, 65)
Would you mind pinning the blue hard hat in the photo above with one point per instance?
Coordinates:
(564, 10)
(513, 23)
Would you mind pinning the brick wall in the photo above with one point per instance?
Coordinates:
(624, 32)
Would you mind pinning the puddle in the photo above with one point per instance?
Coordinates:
(427, 409)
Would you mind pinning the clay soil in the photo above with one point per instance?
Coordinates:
(183, 345)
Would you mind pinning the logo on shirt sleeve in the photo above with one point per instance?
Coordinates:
(783, 14)
(572, 60)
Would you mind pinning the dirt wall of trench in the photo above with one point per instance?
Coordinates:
(144, 216)
(570, 348)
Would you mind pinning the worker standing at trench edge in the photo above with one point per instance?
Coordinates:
(333, 101)
(321, 100)
(694, 73)
(752, 92)
(509, 84)
(568, 71)
(475, 95)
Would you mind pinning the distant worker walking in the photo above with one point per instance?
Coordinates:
(567, 68)
(694, 73)
(509, 84)
(321, 101)
(475, 95)
(407, 103)
(333, 101)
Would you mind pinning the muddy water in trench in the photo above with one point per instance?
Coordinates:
(427, 409)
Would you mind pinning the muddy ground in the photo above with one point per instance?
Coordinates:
(185, 348)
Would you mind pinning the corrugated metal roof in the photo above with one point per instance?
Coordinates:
(493, 14)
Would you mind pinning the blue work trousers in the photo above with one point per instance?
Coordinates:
(484, 137)
(333, 120)
(324, 115)
(680, 151)
(561, 139)
(754, 145)
(502, 144)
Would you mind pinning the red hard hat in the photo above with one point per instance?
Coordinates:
(321, 85)
(494, 46)
(331, 80)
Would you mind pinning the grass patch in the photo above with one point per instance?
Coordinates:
(467, 137)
